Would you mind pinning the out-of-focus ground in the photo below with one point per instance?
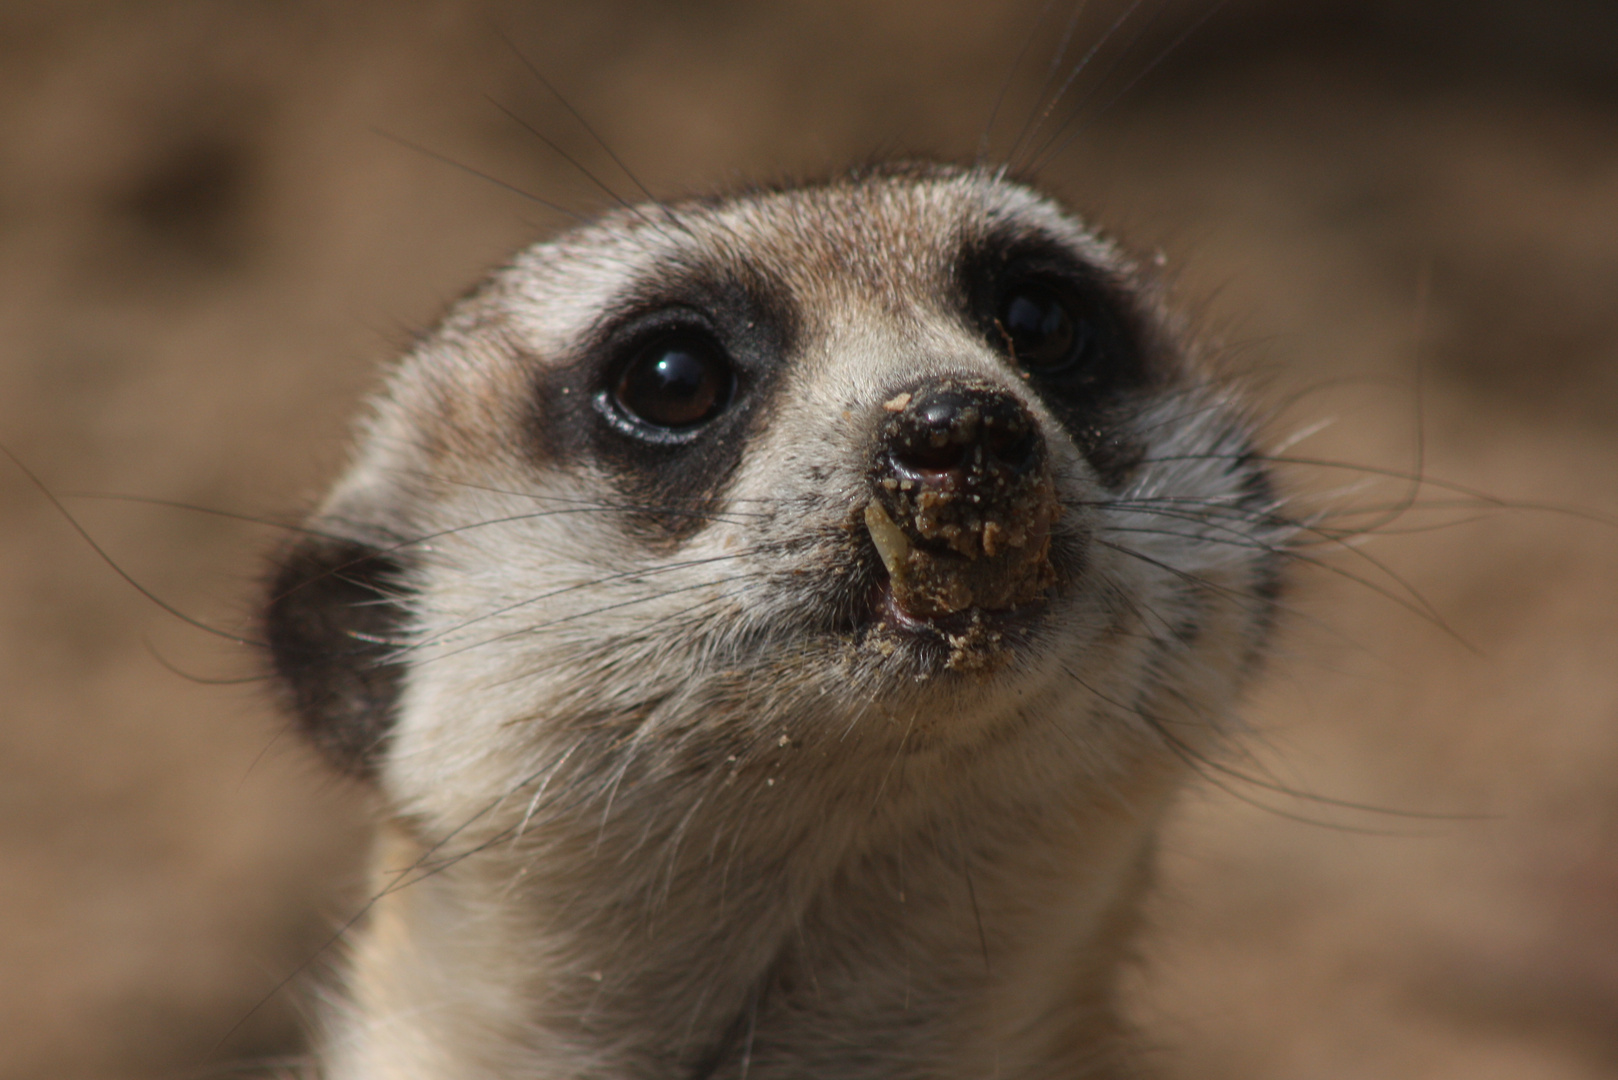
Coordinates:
(207, 243)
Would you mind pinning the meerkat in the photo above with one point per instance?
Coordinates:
(773, 627)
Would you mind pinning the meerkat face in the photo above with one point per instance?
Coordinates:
(910, 462)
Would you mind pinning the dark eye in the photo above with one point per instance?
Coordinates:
(675, 381)
(1041, 329)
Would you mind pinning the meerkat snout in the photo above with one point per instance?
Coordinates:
(962, 500)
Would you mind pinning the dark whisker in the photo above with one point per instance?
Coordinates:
(101, 553)
(1037, 157)
(536, 627)
(1054, 152)
(445, 159)
(1039, 118)
(1310, 796)
(1201, 765)
(986, 138)
(418, 541)
(1242, 539)
(590, 584)
(1481, 497)
(623, 507)
(589, 129)
(201, 680)
(231, 515)
(1418, 607)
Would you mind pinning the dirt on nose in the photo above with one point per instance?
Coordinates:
(963, 501)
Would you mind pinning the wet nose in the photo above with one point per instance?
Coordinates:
(961, 436)
(962, 500)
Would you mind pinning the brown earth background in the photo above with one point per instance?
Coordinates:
(1400, 218)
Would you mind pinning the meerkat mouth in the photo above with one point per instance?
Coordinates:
(891, 619)
(973, 640)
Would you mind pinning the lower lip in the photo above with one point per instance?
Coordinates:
(890, 614)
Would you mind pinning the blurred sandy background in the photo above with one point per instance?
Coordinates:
(206, 246)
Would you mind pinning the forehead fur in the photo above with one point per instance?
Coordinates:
(890, 238)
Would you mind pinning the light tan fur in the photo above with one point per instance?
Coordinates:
(646, 816)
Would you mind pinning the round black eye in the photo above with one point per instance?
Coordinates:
(1042, 331)
(678, 381)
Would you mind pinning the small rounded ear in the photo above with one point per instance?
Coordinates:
(332, 621)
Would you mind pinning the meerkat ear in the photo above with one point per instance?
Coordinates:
(331, 620)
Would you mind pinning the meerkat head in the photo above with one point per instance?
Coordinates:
(914, 445)
(774, 491)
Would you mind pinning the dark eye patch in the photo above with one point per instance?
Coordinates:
(1073, 333)
(663, 396)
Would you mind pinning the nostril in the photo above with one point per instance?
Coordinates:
(936, 434)
(924, 452)
(959, 435)
(1011, 443)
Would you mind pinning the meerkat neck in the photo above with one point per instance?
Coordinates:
(973, 941)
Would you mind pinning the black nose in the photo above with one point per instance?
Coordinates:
(960, 435)
(962, 500)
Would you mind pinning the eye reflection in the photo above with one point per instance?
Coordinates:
(678, 381)
(1040, 327)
